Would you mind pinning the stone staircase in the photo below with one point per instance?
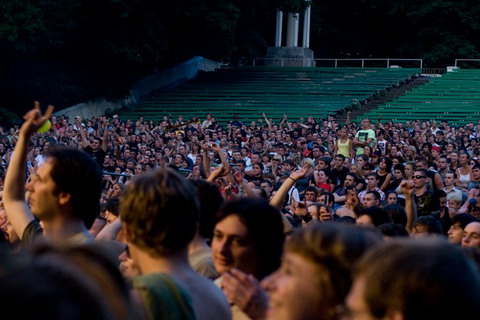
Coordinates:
(382, 98)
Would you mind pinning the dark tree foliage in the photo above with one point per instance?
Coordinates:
(68, 51)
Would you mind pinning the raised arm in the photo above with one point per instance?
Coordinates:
(279, 197)
(16, 207)
(83, 135)
(407, 188)
(105, 136)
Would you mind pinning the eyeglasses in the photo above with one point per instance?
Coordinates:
(419, 177)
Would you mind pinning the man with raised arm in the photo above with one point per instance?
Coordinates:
(64, 192)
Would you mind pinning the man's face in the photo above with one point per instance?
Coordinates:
(476, 174)
(43, 201)
(442, 163)
(255, 158)
(455, 234)
(449, 179)
(471, 235)
(95, 144)
(310, 196)
(369, 201)
(349, 181)
(338, 163)
(372, 182)
(232, 247)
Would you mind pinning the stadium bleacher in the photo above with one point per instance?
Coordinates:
(454, 97)
(250, 91)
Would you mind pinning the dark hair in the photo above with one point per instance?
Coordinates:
(160, 209)
(393, 230)
(400, 167)
(210, 200)
(376, 214)
(264, 226)
(463, 219)
(433, 225)
(421, 279)
(113, 205)
(77, 174)
(397, 214)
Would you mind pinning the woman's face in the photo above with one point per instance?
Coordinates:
(256, 170)
(232, 246)
(322, 177)
(464, 159)
(454, 157)
(116, 190)
(398, 174)
(360, 162)
(408, 170)
(292, 293)
(392, 198)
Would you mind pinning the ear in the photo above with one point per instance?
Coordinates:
(64, 198)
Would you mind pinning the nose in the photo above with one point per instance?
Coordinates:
(29, 185)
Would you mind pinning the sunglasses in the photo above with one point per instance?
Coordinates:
(419, 177)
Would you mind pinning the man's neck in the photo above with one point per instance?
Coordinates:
(63, 229)
(173, 265)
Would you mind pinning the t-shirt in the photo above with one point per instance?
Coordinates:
(34, 232)
(163, 297)
(427, 204)
(364, 135)
(98, 156)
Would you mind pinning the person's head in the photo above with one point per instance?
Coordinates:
(210, 200)
(425, 226)
(160, 211)
(338, 161)
(349, 180)
(112, 209)
(310, 193)
(420, 178)
(314, 277)
(386, 164)
(450, 179)
(399, 171)
(415, 280)
(459, 222)
(373, 217)
(443, 163)
(372, 180)
(370, 199)
(325, 198)
(68, 183)
(471, 235)
(248, 236)
(476, 172)
(397, 214)
(392, 197)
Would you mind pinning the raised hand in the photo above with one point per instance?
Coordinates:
(34, 119)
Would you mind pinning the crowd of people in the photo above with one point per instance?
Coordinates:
(192, 219)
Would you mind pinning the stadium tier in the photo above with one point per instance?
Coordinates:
(275, 91)
(454, 97)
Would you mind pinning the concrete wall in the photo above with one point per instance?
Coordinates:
(142, 88)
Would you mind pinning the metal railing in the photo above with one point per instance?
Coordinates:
(470, 60)
(388, 62)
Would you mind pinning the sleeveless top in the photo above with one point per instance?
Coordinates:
(464, 179)
(163, 297)
(343, 148)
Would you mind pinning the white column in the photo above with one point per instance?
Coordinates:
(278, 33)
(306, 28)
(292, 30)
